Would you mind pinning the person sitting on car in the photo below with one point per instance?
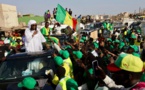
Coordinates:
(46, 31)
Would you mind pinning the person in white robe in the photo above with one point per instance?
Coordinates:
(34, 38)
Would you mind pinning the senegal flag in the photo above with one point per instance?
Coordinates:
(63, 17)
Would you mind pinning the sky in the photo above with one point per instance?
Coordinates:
(83, 7)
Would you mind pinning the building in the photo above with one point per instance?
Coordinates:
(8, 16)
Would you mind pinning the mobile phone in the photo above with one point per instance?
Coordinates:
(95, 65)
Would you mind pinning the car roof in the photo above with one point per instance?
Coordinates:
(30, 55)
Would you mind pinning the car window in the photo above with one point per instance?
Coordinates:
(28, 66)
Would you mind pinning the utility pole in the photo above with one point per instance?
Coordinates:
(139, 10)
(134, 11)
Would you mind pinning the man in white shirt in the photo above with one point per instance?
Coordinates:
(34, 38)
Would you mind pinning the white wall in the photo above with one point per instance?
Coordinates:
(8, 16)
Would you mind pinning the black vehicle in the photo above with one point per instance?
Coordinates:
(18, 66)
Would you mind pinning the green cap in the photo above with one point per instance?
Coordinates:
(84, 38)
(133, 36)
(109, 39)
(28, 83)
(58, 60)
(78, 54)
(127, 62)
(117, 41)
(82, 41)
(96, 45)
(135, 48)
(71, 84)
(64, 53)
(67, 46)
(121, 45)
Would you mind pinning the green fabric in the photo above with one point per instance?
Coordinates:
(64, 53)
(44, 31)
(111, 26)
(136, 49)
(56, 40)
(13, 43)
(75, 38)
(139, 31)
(58, 60)
(143, 77)
(136, 54)
(71, 84)
(78, 54)
(105, 25)
(60, 14)
(111, 47)
(119, 59)
(91, 72)
(28, 83)
(108, 26)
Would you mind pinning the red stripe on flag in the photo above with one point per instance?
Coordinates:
(74, 23)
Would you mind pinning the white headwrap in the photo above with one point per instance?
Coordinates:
(30, 23)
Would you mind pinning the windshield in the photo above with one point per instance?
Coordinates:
(28, 66)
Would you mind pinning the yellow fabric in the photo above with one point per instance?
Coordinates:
(21, 43)
(68, 20)
(62, 83)
(143, 65)
(19, 38)
(100, 31)
(137, 43)
(55, 80)
(108, 26)
(132, 63)
(125, 33)
(69, 62)
(46, 31)
(67, 69)
(14, 38)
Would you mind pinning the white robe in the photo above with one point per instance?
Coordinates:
(34, 44)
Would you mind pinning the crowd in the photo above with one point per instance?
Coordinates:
(47, 14)
(120, 58)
